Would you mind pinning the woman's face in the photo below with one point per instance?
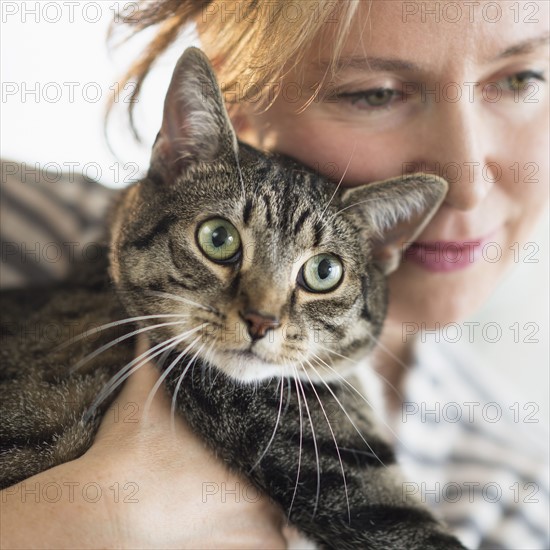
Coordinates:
(424, 87)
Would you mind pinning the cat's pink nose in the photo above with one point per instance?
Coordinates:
(258, 323)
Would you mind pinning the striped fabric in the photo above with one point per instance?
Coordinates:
(48, 220)
(473, 451)
(486, 477)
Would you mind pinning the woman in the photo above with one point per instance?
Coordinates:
(361, 91)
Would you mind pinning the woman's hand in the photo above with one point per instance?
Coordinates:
(157, 488)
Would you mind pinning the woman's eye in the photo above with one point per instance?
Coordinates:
(321, 273)
(521, 82)
(371, 99)
(219, 240)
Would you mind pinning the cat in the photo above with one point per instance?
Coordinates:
(260, 284)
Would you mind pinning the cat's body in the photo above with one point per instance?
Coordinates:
(262, 326)
(41, 401)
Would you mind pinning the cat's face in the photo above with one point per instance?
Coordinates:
(274, 279)
(265, 268)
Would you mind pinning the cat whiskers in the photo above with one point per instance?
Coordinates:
(207, 358)
(332, 434)
(204, 363)
(106, 326)
(274, 429)
(133, 366)
(301, 439)
(347, 208)
(218, 372)
(378, 374)
(300, 386)
(167, 371)
(124, 373)
(178, 298)
(178, 385)
(324, 364)
(116, 341)
(162, 359)
(348, 416)
(239, 170)
(341, 180)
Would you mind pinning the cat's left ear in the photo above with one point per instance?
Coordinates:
(195, 125)
(393, 212)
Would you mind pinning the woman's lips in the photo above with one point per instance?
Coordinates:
(446, 256)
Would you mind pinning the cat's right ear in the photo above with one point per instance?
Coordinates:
(195, 124)
(392, 213)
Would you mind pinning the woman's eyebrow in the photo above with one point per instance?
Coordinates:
(527, 46)
(373, 64)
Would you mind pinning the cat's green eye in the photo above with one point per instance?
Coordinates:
(219, 240)
(322, 273)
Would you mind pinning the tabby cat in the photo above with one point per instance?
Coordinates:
(260, 285)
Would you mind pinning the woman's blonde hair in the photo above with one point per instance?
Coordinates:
(252, 43)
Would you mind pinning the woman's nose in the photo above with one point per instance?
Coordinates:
(454, 145)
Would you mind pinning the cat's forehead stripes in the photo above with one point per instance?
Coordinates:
(267, 203)
(294, 220)
(282, 198)
(319, 229)
(162, 227)
(303, 216)
(247, 210)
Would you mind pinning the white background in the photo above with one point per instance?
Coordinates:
(53, 48)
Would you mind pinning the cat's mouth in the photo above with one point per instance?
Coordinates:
(258, 355)
(246, 364)
(249, 353)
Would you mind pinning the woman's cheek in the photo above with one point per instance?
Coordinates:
(525, 176)
(337, 150)
(432, 301)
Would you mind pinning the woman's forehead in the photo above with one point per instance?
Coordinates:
(419, 36)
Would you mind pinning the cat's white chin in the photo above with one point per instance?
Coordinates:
(248, 367)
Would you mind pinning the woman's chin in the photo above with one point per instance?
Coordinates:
(430, 300)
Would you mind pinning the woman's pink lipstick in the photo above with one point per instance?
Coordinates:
(445, 256)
